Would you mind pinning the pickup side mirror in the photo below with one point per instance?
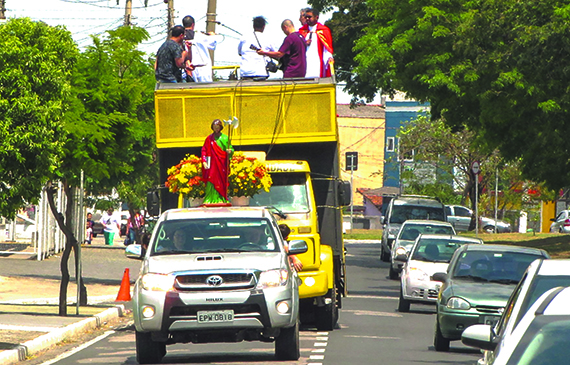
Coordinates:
(344, 193)
(134, 251)
(297, 247)
(401, 257)
(439, 276)
(480, 336)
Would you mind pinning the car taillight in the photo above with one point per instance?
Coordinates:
(566, 222)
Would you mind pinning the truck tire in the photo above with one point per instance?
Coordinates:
(327, 316)
(148, 351)
(287, 343)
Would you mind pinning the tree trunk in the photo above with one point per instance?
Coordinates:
(70, 243)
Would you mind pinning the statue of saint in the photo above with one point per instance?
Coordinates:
(216, 155)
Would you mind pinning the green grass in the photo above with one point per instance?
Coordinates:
(557, 245)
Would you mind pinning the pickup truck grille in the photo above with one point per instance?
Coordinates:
(230, 281)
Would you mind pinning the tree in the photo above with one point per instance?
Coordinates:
(109, 129)
(37, 62)
(495, 67)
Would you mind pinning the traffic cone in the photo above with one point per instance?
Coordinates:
(125, 290)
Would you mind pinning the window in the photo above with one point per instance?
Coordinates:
(390, 141)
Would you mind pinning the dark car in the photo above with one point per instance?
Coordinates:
(477, 286)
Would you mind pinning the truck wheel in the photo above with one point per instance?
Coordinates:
(392, 273)
(148, 351)
(287, 344)
(403, 304)
(327, 316)
(384, 256)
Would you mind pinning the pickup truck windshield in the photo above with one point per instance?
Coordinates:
(214, 235)
(288, 193)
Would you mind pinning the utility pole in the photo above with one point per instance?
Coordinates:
(170, 23)
(211, 22)
(2, 9)
(128, 13)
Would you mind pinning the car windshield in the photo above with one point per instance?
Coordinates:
(436, 249)
(501, 267)
(214, 235)
(411, 231)
(544, 343)
(540, 285)
(288, 193)
(402, 213)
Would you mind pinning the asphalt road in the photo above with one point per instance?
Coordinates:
(371, 331)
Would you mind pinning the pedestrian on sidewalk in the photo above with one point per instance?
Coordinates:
(89, 228)
(112, 225)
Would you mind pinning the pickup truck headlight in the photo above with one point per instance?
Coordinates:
(272, 278)
(157, 282)
(458, 303)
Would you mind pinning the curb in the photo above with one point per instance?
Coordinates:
(43, 342)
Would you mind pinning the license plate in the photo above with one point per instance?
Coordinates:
(215, 316)
(490, 320)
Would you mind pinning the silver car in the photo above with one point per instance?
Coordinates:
(561, 223)
(407, 235)
(217, 275)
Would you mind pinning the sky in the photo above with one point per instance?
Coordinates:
(86, 17)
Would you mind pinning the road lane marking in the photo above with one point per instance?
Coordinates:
(371, 313)
(371, 297)
(318, 350)
(375, 337)
(322, 333)
(320, 344)
(317, 357)
(10, 327)
(322, 339)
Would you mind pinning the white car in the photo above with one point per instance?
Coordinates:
(407, 235)
(431, 253)
(539, 277)
(540, 338)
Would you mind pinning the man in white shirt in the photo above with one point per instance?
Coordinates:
(253, 64)
(201, 45)
(111, 224)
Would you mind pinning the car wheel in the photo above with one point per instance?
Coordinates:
(384, 256)
(403, 304)
(287, 343)
(327, 316)
(489, 229)
(392, 274)
(440, 343)
(148, 351)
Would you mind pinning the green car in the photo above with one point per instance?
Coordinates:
(476, 287)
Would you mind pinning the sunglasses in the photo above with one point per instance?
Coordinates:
(308, 16)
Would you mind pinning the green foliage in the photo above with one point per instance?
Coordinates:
(112, 119)
(443, 191)
(37, 62)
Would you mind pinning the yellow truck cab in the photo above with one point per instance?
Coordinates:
(293, 123)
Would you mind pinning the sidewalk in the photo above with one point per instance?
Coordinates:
(29, 320)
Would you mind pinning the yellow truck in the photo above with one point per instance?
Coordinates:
(293, 123)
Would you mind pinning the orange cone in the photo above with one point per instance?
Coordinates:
(125, 290)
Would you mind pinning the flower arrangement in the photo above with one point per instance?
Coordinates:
(248, 176)
(186, 178)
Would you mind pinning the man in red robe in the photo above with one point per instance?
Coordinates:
(216, 152)
(319, 45)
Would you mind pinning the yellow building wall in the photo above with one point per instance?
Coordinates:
(365, 136)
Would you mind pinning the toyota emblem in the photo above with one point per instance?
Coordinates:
(214, 280)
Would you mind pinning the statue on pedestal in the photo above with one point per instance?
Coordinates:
(216, 154)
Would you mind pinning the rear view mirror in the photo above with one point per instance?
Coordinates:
(134, 251)
(344, 193)
(401, 257)
(439, 276)
(297, 247)
(479, 336)
(153, 203)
